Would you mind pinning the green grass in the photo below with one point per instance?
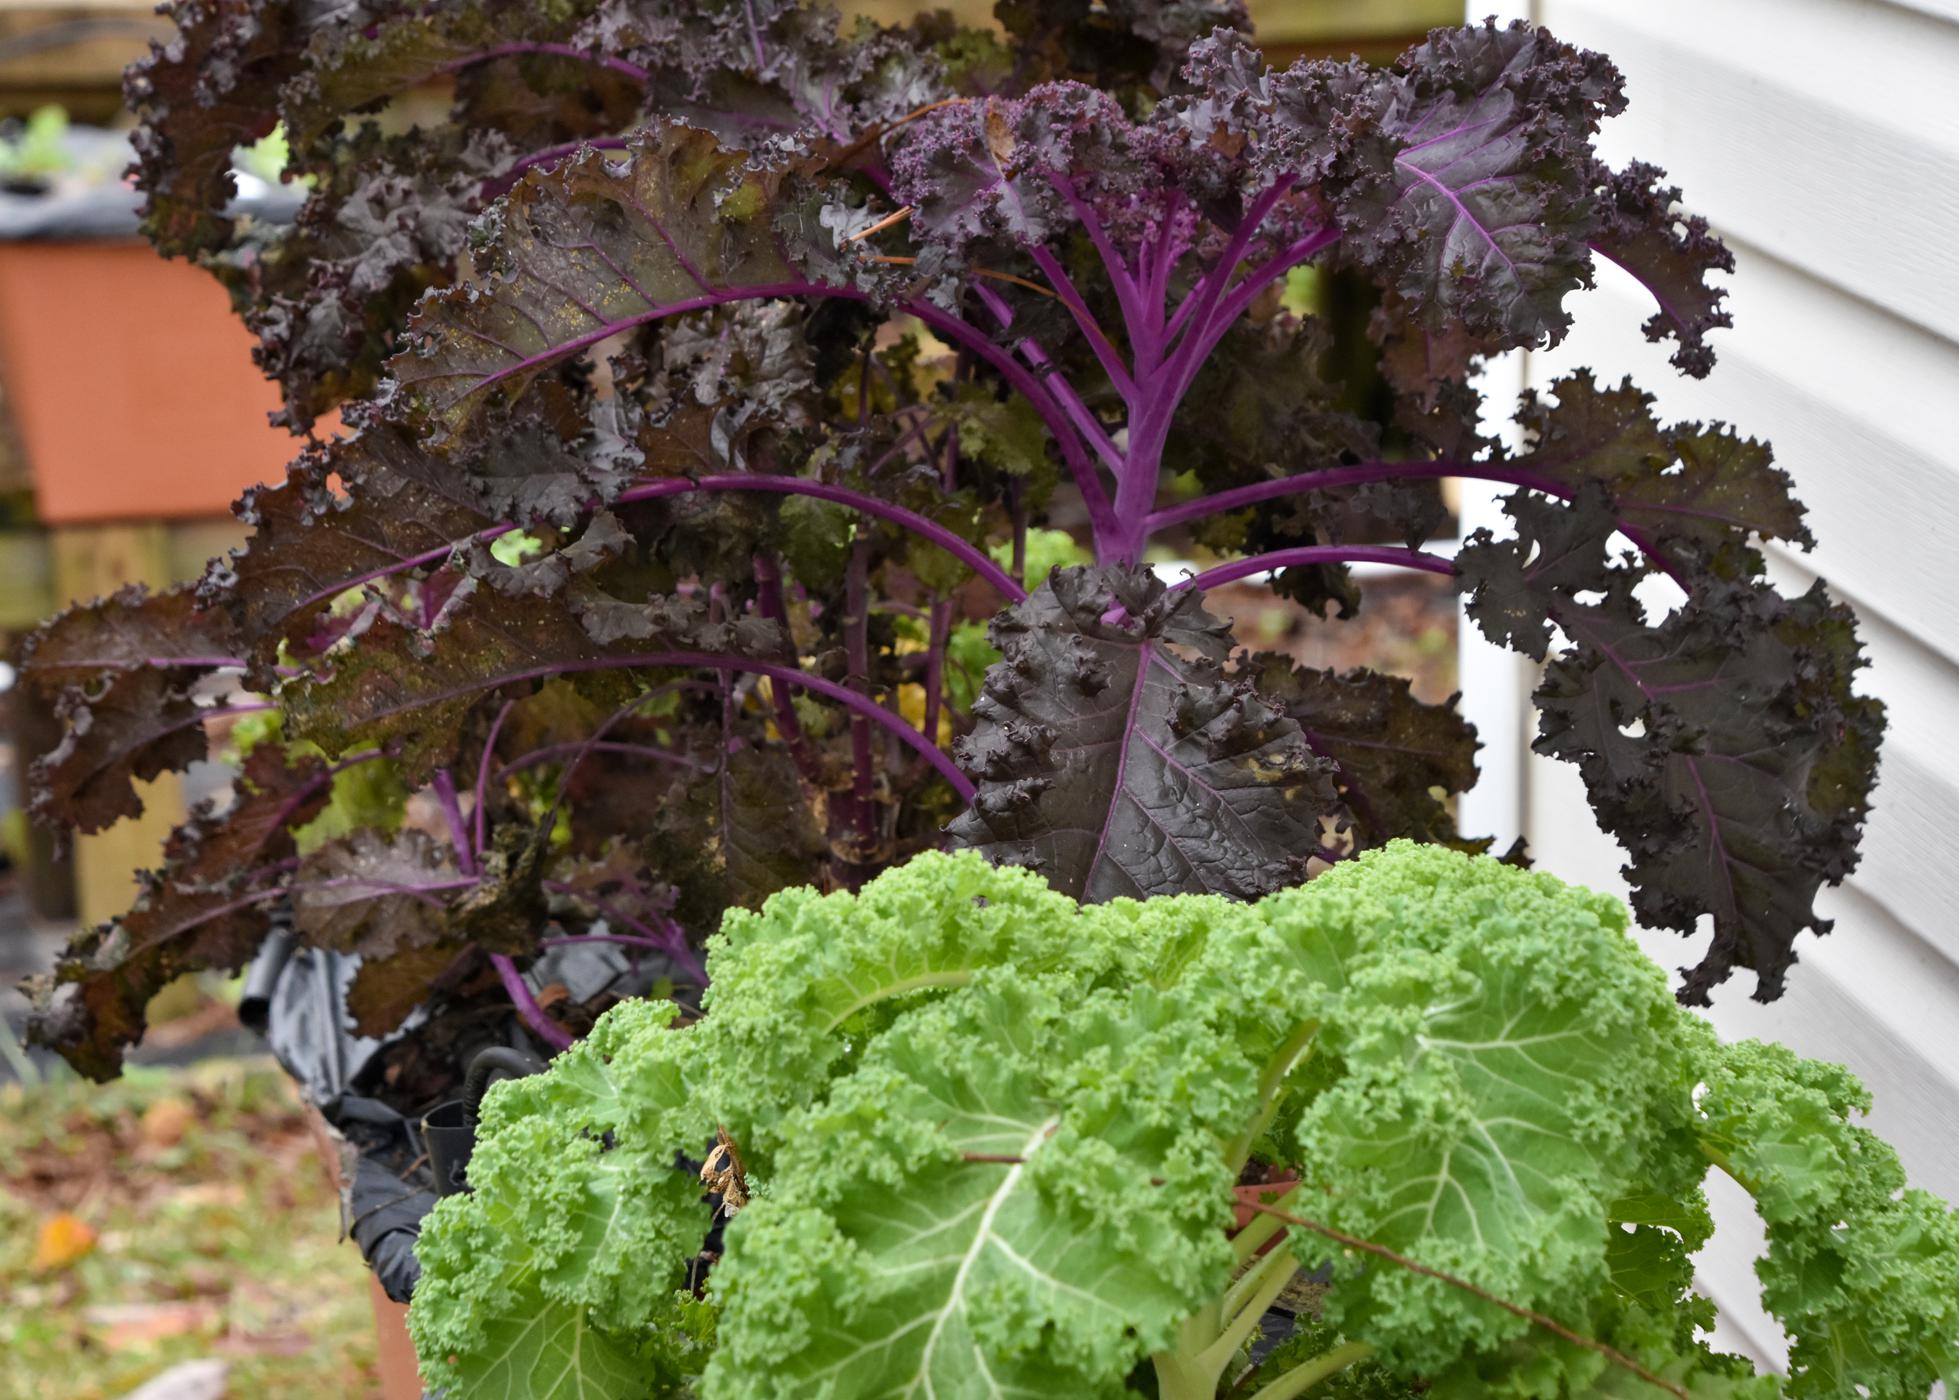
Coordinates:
(216, 1236)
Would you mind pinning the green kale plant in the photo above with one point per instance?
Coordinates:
(975, 1139)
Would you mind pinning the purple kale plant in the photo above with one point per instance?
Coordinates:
(710, 377)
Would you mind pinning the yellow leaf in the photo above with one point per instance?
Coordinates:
(64, 1238)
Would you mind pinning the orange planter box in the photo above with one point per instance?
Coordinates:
(132, 384)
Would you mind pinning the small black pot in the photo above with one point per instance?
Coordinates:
(449, 1129)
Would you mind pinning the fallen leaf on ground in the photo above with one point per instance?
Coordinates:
(62, 1240)
(288, 1343)
(166, 1121)
(126, 1326)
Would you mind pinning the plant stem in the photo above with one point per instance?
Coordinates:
(1263, 1227)
(941, 630)
(966, 553)
(718, 661)
(514, 986)
(1303, 1378)
(857, 668)
(500, 184)
(1549, 1324)
(1361, 473)
(1295, 1048)
(481, 814)
(1253, 1293)
(770, 603)
(546, 754)
(520, 48)
(1178, 1374)
(1319, 554)
(445, 793)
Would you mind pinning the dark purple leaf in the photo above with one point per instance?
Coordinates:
(1115, 762)
(1399, 759)
(595, 247)
(1726, 750)
(1483, 213)
(207, 908)
(123, 674)
(375, 894)
(1671, 252)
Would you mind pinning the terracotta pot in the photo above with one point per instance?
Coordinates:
(394, 1351)
(132, 384)
(1259, 1193)
(400, 1380)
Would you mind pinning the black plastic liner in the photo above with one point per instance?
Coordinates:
(295, 997)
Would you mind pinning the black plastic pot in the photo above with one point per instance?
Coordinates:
(295, 997)
(449, 1129)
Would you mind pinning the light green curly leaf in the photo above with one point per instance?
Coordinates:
(890, 1262)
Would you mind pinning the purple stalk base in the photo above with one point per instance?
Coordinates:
(542, 1026)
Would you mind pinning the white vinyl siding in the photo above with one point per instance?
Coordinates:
(1821, 138)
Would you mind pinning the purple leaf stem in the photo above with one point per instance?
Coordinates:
(210, 712)
(517, 49)
(501, 184)
(585, 747)
(425, 893)
(1017, 376)
(205, 916)
(1064, 400)
(1249, 286)
(452, 812)
(941, 629)
(1098, 339)
(769, 602)
(630, 940)
(857, 664)
(1238, 497)
(519, 992)
(965, 552)
(1023, 381)
(298, 799)
(606, 330)
(1152, 413)
(1129, 294)
(551, 751)
(716, 661)
(671, 939)
(216, 663)
(1319, 554)
(1163, 260)
(779, 485)
(481, 814)
(1202, 299)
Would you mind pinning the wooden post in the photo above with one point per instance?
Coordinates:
(92, 561)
